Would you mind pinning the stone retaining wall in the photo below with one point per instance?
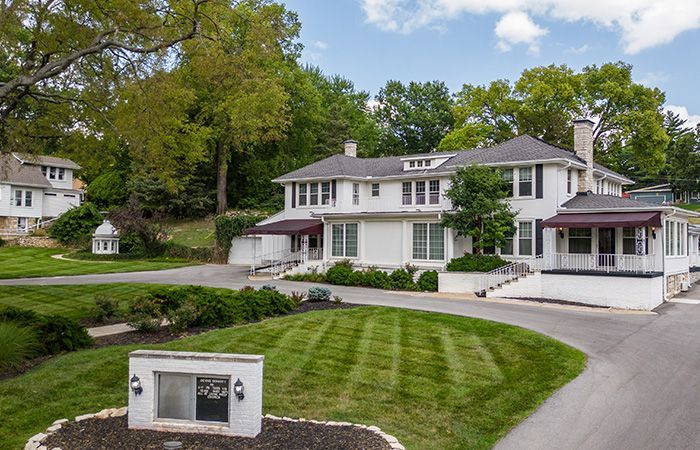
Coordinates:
(32, 241)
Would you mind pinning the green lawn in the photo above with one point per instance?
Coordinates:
(192, 232)
(73, 301)
(22, 262)
(432, 380)
(690, 206)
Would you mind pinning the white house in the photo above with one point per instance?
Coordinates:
(386, 212)
(34, 188)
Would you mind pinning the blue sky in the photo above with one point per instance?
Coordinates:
(476, 41)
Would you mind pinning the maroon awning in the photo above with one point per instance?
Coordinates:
(288, 227)
(604, 220)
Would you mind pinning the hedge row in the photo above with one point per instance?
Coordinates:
(476, 263)
(402, 279)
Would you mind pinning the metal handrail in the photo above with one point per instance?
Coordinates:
(509, 272)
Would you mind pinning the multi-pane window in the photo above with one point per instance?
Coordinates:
(28, 198)
(406, 193)
(44, 169)
(525, 181)
(302, 194)
(580, 240)
(23, 198)
(420, 192)
(428, 241)
(18, 198)
(525, 238)
(629, 241)
(375, 189)
(61, 173)
(313, 194)
(568, 181)
(356, 193)
(507, 248)
(411, 164)
(52, 173)
(434, 192)
(507, 175)
(419, 163)
(344, 240)
(427, 163)
(326, 193)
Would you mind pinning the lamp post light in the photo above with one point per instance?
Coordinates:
(135, 384)
(238, 389)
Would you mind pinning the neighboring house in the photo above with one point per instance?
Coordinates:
(663, 194)
(34, 188)
(386, 212)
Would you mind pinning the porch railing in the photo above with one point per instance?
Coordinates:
(599, 262)
(505, 274)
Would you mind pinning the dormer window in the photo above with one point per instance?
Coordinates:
(61, 173)
(43, 170)
(412, 164)
(52, 173)
(427, 163)
(419, 163)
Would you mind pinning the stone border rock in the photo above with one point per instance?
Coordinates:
(35, 442)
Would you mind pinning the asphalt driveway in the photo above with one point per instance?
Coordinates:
(641, 389)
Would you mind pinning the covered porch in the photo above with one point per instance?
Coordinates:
(281, 245)
(604, 242)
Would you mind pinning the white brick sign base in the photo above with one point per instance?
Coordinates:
(36, 442)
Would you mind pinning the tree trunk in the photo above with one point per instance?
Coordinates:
(221, 177)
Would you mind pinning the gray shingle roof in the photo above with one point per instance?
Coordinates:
(521, 148)
(14, 172)
(589, 200)
(43, 160)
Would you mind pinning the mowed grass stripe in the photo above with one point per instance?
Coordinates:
(22, 262)
(311, 370)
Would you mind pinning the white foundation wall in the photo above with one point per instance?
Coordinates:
(245, 416)
(613, 291)
(242, 250)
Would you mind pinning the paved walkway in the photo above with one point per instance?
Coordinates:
(639, 390)
(109, 330)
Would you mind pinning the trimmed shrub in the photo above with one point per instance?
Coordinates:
(76, 225)
(402, 280)
(475, 263)
(319, 294)
(376, 278)
(105, 307)
(310, 277)
(17, 344)
(183, 317)
(58, 334)
(21, 316)
(229, 227)
(341, 274)
(428, 281)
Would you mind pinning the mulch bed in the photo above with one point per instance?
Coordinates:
(112, 433)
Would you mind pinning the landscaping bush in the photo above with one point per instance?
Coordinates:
(319, 294)
(54, 334)
(105, 307)
(297, 297)
(17, 344)
(186, 306)
(428, 281)
(76, 225)
(475, 263)
(229, 227)
(311, 277)
(341, 274)
(269, 287)
(198, 254)
(57, 334)
(402, 280)
(375, 278)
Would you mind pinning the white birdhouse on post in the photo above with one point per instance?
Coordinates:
(105, 240)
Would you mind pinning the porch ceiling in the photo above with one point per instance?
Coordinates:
(288, 227)
(604, 220)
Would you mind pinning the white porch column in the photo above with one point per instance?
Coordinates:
(450, 242)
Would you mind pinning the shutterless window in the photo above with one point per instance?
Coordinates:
(411, 164)
(375, 189)
(326, 193)
(344, 240)
(61, 173)
(525, 181)
(302, 194)
(434, 192)
(507, 175)
(568, 181)
(18, 198)
(44, 169)
(428, 241)
(313, 194)
(580, 240)
(406, 193)
(420, 192)
(52, 173)
(419, 163)
(525, 238)
(28, 198)
(629, 241)
(427, 163)
(356, 193)
(507, 248)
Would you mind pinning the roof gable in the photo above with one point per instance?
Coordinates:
(12, 171)
(43, 160)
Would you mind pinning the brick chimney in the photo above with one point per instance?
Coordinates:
(350, 148)
(583, 147)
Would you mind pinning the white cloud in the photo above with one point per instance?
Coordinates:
(578, 50)
(653, 79)
(320, 45)
(642, 24)
(692, 120)
(517, 28)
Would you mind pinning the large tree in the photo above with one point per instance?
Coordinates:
(479, 197)
(413, 118)
(629, 134)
